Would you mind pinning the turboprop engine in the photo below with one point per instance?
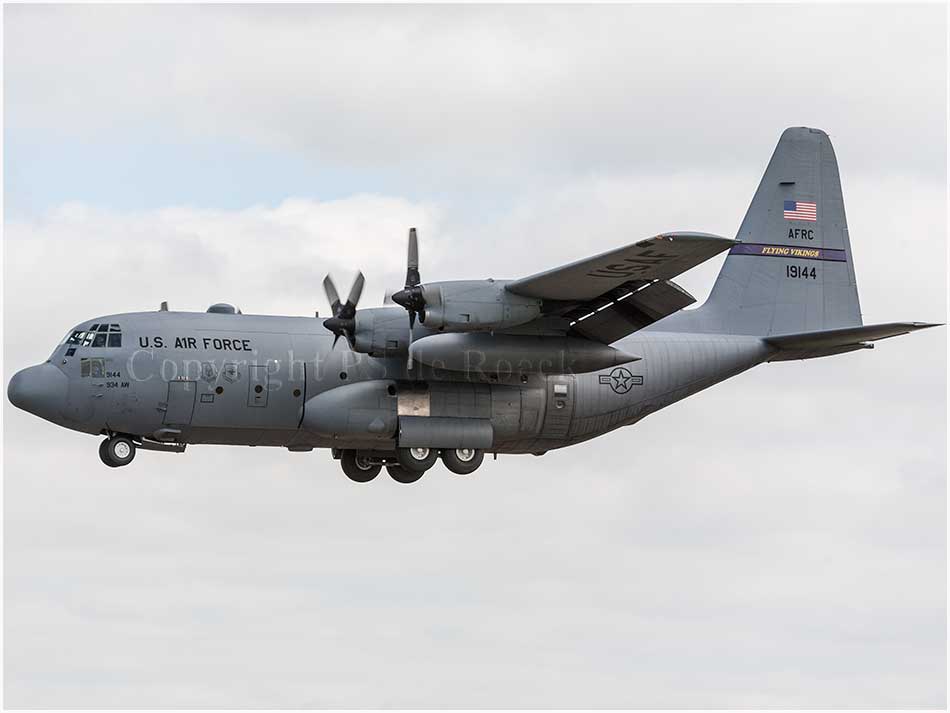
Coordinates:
(476, 306)
(449, 306)
(463, 305)
(381, 332)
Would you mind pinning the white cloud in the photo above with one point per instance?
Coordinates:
(451, 93)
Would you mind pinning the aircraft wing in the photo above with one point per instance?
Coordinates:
(608, 296)
(659, 258)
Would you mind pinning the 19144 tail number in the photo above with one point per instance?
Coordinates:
(801, 272)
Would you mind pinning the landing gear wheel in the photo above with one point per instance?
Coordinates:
(401, 475)
(418, 460)
(117, 451)
(104, 453)
(462, 461)
(358, 468)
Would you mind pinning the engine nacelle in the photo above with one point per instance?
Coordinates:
(487, 355)
(476, 306)
(382, 332)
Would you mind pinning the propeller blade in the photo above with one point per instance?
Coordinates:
(412, 261)
(411, 297)
(356, 290)
(332, 296)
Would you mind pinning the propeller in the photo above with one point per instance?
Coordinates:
(411, 296)
(343, 322)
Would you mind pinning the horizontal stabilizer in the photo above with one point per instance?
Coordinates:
(807, 345)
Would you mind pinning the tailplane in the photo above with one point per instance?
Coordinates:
(809, 345)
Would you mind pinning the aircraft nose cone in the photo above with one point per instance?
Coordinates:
(39, 389)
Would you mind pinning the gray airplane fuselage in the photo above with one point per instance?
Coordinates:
(251, 380)
(457, 369)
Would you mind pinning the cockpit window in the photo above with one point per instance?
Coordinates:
(98, 335)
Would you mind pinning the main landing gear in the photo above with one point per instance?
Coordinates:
(117, 451)
(417, 460)
(404, 475)
(358, 468)
(463, 461)
(407, 465)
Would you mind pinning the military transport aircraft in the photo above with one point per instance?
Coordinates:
(455, 370)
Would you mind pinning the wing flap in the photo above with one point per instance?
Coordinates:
(633, 312)
(662, 257)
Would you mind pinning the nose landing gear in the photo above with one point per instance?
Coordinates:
(117, 451)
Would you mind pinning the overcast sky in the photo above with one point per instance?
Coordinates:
(778, 540)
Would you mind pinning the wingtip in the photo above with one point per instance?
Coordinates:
(708, 238)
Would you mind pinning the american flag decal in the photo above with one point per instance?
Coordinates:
(801, 210)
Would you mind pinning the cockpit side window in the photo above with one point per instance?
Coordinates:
(96, 368)
(98, 335)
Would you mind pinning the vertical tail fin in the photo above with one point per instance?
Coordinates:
(792, 271)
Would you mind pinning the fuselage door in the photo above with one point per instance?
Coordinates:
(560, 406)
(181, 402)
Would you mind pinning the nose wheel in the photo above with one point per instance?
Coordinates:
(117, 451)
